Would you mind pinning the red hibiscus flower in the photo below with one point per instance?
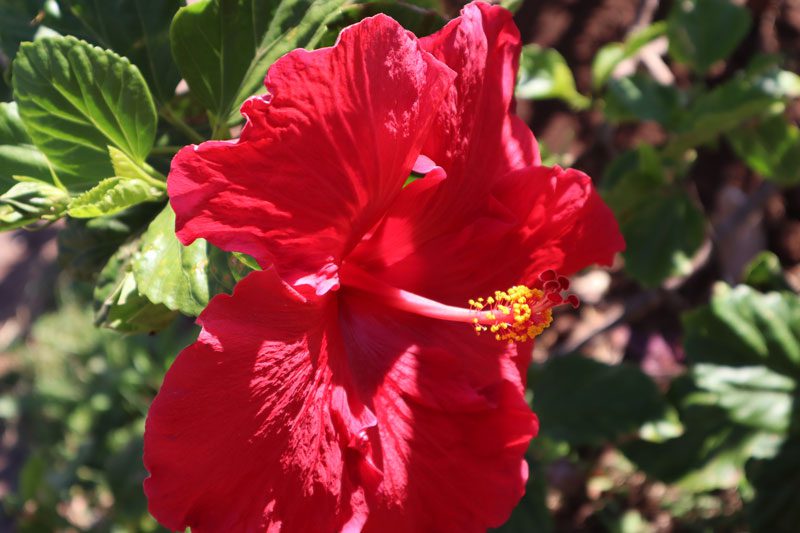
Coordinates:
(343, 387)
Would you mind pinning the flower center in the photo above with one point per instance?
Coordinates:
(516, 315)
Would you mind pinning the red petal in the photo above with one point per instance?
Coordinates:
(452, 421)
(252, 428)
(475, 138)
(322, 155)
(564, 225)
(538, 218)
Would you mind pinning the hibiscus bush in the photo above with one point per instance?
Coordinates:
(384, 290)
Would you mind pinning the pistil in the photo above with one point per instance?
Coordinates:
(516, 315)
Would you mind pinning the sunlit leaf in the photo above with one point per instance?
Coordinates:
(752, 395)
(30, 201)
(170, 273)
(611, 55)
(138, 30)
(765, 273)
(742, 327)
(711, 451)
(543, 73)
(75, 100)
(113, 195)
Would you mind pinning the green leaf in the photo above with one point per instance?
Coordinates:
(18, 155)
(765, 273)
(543, 74)
(752, 395)
(761, 90)
(719, 111)
(702, 32)
(30, 201)
(85, 246)
(642, 200)
(224, 47)
(226, 269)
(711, 452)
(764, 72)
(598, 406)
(742, 327)
(75, 100)
(414, 18)
(643, 160)
(638, 97)
(138, 30)
(777, 484)
(126, 168)
(112, 195)
(170, 273)
(657, 250)
(771, 149)
(118, 303)
(611, 55)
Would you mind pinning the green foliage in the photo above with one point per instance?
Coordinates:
(771, 148)
(85, 246)
(111, 196)
(223, 47)
(738, 402)
(138, 30)
(543, 73)
(702, 32)
(742, 327)
(75, 100)
(169, 273)
(85, 140)
(29, 201)
(118, 303)
(18, 156)
(88, 391)
(765, 273)
(641, 196)
(611, 55)
(588, 414)
(638, 97)
(416, 18)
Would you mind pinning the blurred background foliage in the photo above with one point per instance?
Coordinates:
(668, 401)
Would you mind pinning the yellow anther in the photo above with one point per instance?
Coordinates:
(518, 314)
